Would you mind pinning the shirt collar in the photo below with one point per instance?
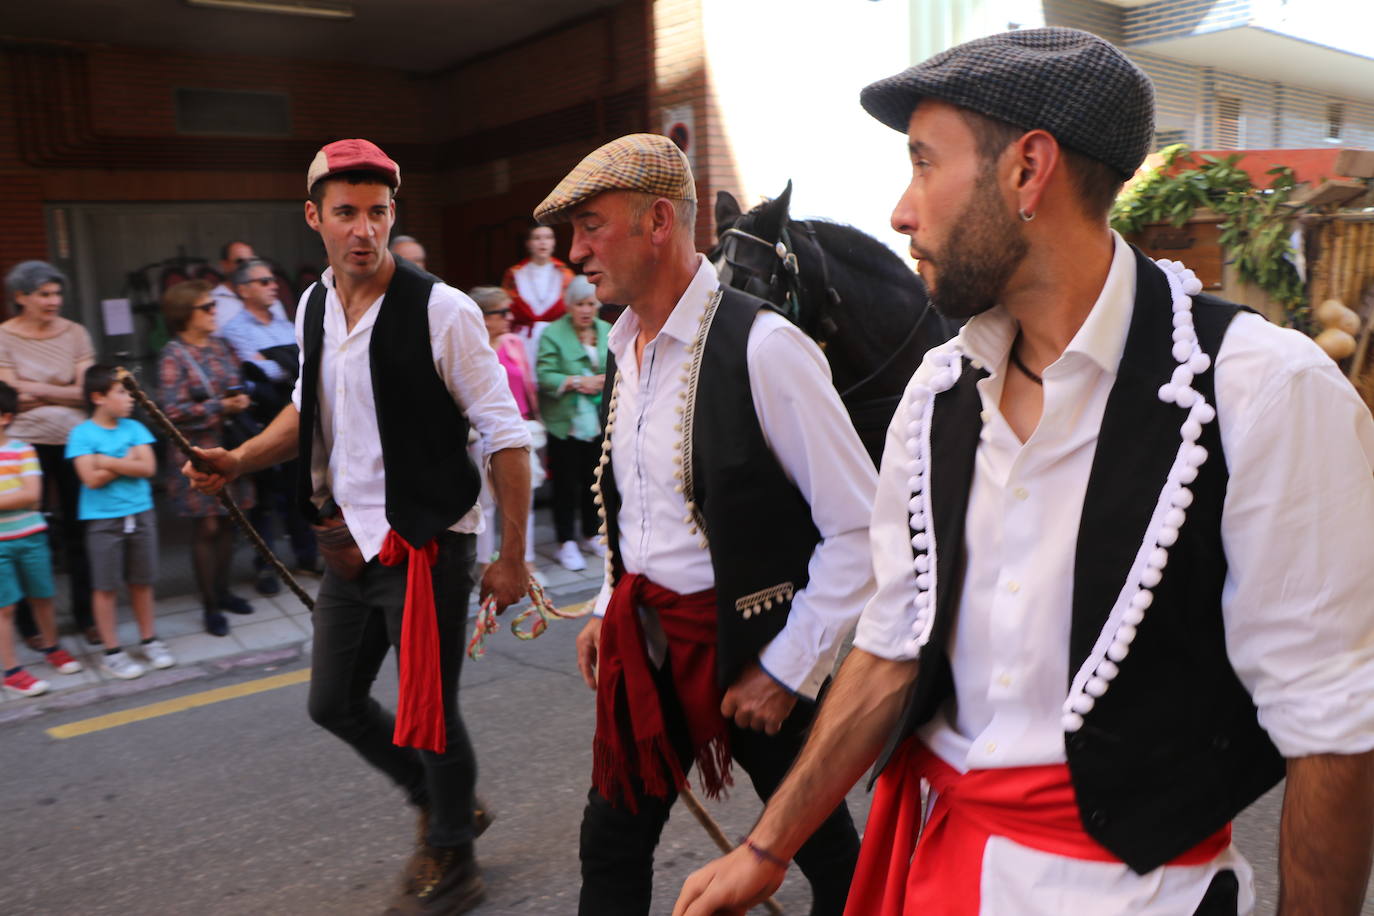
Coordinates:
(682, 322)
(1101, 338)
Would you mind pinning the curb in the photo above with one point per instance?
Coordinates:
(77, 697)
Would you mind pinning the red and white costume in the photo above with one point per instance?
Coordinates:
(1295, 608)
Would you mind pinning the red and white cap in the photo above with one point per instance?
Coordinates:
(350, 156)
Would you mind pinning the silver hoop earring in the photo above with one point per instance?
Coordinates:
(1025, 217)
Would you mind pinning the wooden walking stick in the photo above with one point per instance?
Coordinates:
(161, 422)
(709, 824)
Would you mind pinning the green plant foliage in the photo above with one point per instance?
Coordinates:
(1255, 225)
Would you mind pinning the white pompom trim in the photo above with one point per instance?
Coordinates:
(1113, 644)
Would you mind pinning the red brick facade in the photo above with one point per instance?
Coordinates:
(479, 144)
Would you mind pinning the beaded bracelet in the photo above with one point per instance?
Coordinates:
(762, 854)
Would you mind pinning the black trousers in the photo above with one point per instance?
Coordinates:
(66, 533)
(572, 464)
(355, 624)
(617, 845)
(276, 499)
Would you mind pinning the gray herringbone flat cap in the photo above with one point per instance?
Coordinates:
(1078, 87)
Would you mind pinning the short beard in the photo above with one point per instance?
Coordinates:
(983, 250)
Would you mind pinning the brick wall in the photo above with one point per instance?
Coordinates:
(478, 144)
(562, 93)
(681, 77)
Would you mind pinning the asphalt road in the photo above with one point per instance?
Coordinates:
(244, 807)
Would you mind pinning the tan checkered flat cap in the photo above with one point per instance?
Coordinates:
(637, 162)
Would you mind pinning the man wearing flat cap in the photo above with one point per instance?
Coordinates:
(395, 370)
(736, 496)
(1121, 538)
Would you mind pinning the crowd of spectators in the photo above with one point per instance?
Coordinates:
(75, 467)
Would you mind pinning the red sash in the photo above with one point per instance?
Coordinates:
(420, 699)
(625, 680)
(940, 872)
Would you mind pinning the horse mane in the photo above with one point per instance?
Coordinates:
(855, 248)
(863, 253)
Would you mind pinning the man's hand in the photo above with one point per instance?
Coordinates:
(757, 701)
(731, 884)
(588, 648)
(236, 403)
(507, 579)
(226, 468)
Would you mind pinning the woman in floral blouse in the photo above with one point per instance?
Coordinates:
(201, 391)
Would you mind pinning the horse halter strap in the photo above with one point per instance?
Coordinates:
(759, 275)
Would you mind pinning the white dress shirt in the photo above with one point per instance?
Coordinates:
(347, 460)
(809, 432)
(1297, 528)
(228, 304)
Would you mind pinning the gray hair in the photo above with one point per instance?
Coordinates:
(580, 288)
(488, 297)
(241, 273)
(401, 239)
(27, 276)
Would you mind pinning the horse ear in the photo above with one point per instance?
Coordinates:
(727, 211)
(773, 216)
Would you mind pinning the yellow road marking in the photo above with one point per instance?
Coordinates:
(167, 707)
(204, 698)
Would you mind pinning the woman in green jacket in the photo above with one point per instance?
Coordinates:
(571, 371)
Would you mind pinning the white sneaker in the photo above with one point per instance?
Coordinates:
(158, 655)
(594, 546)
(570, 558)
(120, 665)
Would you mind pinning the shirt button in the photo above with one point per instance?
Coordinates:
(1004, 680)
(983, 415)
(1021, 493)
(990, 747)
(1013, 587)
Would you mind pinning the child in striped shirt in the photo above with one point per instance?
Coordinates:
(25, 561)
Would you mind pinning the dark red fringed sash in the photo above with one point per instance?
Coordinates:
(624, 671)
(420, 700)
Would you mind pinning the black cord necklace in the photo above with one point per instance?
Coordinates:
(1016, 361)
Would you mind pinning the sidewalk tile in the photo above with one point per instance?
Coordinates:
(176, 604)
(556, 575)
(170, 626)
(264, 608)
(201, 646)
(270, 634)
(290, 604)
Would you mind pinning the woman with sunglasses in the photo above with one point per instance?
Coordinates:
(510, 352)
(201, 389)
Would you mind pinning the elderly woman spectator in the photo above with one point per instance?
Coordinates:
(571, 372)
(45, 357)
(202, 393)
(510, 353)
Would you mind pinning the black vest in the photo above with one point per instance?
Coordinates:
(430, 480)
(1174, 749)
(761, 536)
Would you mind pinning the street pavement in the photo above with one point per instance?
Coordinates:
(205, 789)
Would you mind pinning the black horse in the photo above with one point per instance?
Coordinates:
(857, 298)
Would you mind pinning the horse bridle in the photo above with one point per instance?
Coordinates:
(757, 273)
(770, 271)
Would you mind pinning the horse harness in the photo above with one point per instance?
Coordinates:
(762, 267)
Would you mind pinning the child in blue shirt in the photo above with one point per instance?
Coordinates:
(114, 459)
